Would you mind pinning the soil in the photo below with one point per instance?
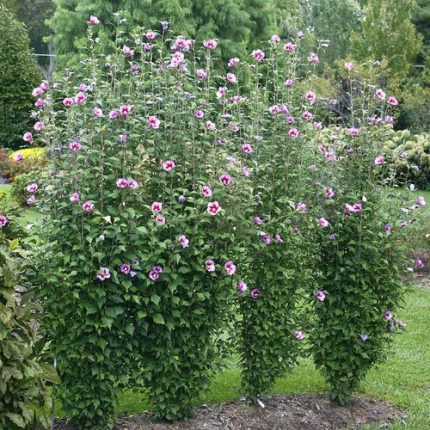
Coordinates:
(303, 412)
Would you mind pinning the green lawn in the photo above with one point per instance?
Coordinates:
(403, 380)
(27, 215)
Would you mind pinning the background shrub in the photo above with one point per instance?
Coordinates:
(19, 76)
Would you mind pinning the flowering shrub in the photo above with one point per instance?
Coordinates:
(177, 197)
(24, 400)
(362, 259)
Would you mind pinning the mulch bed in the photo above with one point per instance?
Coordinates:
(303, 412)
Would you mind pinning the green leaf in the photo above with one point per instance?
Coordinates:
(158, 319)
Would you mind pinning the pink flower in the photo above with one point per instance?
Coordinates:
(199, 114)
(310, 95)
(349, 66)
(233, 62)
(37, 92)
(160, 220)
(231, 78)
(68, 101)
(354, 132)
(206, 191)
(421, 201)
(289, 47)
(317, 125)
(290, 119)
(150, 35)
(266, 238)
(210, 126)
(132, 184)
(298, 335)
(225, 179)
(275, 38)
(294, 133)
(28, 136)
(357, 207)
(39, 126)
(307, 116)
(183, 241)
(388, 228)
(284, 108)
(258, 55)
(127, 51)
(75, 146)
(125, 110)
(88, 206)
(301, 207)
(323, 222)
(210, 265)
(392, 101)
(313, 58)
(18, 157)
(103, 274)
(122, 183)
(230, 268)
(75, 197)
(247, 148)
(221, 92)
(125, 268)
(329, 193)
(274, 110)
(156, 207)
(258, 220)
(319, 295)
(288, 83)
(80, 98)
(278, 238)
(210, 44)
(153, 122)
(241, 287)
(97, 112)
(39, 103)
(419, 263)
(379, 160)
(31, 200)
(169, 165)
(123, 138)
(201, 74)
(3, 221)
(44, 85)
(113, 114)
(83, 88)
(93, 20)
(213, 208)
(388, 315)
(32, 188)
(389, 119)
(380, 94)
(153, 275)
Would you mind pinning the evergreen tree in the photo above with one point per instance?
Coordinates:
(235, 23)
(19, 75)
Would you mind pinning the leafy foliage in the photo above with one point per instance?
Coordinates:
(24, 399)
(19, 75)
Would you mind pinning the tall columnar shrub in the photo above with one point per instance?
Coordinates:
(24, 399)
(361, 264)
(19, 75)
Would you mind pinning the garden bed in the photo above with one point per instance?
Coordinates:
(310, 412)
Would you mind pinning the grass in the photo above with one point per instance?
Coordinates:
(27, 215)
(404, 380)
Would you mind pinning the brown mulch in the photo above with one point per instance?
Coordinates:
(303, 412)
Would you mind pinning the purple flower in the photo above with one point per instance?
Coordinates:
(364, 337)
(258, 220)
(278, 238)
(388, 228)
(158, 269)
(301, 207)
(266, 239)
(153, 275)
(230, 268)
(419, 263)
(323, 222)
(183, 240)
(225, 179)
(255, 293)
(388, 315)
(241, 287)
(319, 295)
(3, 221)
(298, 335)
(210, 265)
(125, 268)
(182, 199)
